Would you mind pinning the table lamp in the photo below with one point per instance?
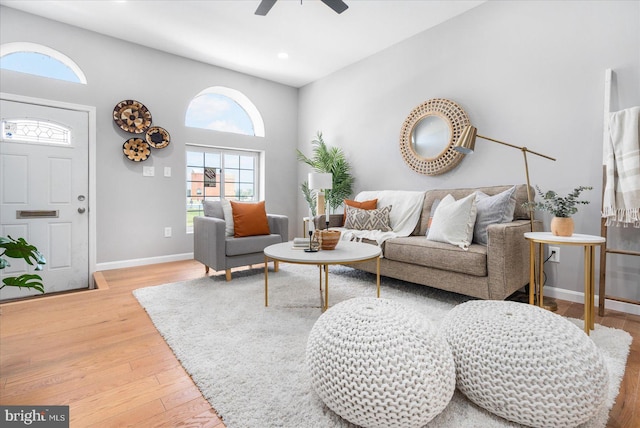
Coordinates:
(321, 181)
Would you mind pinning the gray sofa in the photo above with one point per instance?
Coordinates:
(493, 272)
(214, 249)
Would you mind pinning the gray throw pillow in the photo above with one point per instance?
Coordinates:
(360, 219)
(493, 210)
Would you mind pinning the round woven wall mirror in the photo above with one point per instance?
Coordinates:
(429, 134)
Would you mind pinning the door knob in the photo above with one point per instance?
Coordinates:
(81, 210)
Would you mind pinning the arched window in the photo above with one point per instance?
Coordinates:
(224, 109)
(32, 58)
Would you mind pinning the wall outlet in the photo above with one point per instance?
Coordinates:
(554, 254)
(167, 232)
(148, 171)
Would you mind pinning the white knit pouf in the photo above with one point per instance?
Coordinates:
(525, 364)
(377, 363)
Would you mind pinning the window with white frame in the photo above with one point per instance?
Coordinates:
(35, 131)
(216, 173)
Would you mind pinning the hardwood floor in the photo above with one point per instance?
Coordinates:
(98, 352)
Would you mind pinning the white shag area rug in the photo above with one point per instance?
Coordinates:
(249, 360)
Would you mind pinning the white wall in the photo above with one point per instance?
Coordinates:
(133, 210)
(528, 73)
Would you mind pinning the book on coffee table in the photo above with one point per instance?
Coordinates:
(300, 242)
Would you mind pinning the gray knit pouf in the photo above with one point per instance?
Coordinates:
(379, 364)
(525, 364)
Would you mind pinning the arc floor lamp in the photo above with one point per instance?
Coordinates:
(467, 142)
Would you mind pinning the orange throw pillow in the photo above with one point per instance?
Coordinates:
(364, 205)
(249, 219)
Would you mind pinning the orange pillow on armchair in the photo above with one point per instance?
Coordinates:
(364, 205)
(249, 219)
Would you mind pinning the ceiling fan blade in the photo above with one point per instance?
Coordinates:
(337, 5)
(264, 7)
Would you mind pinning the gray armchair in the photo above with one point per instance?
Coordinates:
(214, 249)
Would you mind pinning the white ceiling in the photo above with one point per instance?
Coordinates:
(227, 33)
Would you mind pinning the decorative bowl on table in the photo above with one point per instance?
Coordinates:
(329, 239)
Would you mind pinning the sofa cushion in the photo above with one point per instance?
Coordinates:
(360, 219)
(228, 217)
(213, 209)
(250, 244)
(492, 210)
(417, 250)
(430, 196)
(363, 205)
(249, 219)
(453, 221)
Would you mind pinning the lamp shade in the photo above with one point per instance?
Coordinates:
(467, 142)
(320, 180)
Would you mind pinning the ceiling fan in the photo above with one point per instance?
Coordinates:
(337, 5)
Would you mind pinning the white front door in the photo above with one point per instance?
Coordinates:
(44, 192)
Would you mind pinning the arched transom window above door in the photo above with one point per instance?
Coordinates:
(40, 60)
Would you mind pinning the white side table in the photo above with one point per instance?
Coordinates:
(589, 242)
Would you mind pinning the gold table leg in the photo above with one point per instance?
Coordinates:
(266, 281)
(541, 275)
(532, 272)
(378, 275)
(593, 286)
(326, 287)
(589, 288)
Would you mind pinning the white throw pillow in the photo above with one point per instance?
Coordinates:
(228, 217)
(453, 221)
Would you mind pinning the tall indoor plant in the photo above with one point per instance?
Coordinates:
(21, 249)
(328, 159)
(562, 207)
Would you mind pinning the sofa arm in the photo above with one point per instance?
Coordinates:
(209, 241)
(279, 225)
(335, 220)
(508, 257)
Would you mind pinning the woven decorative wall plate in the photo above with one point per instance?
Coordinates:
(136, 149)
(132, 116)
(157, 137)
(448, 158)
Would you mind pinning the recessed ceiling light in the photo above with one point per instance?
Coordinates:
(283, 55)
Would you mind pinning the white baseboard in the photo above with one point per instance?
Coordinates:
(143, 262)
(578, 297)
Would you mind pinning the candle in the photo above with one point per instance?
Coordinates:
(310, 221)
(326, 216)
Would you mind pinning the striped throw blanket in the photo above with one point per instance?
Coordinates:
(621, 157)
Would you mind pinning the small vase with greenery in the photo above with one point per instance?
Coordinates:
(21, 249)
(562, 207)
(328, 159)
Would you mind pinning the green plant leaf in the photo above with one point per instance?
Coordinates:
(329, 159)
(21, 249)
(24, 281)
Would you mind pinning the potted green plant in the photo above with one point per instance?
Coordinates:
(328, 159)
(21, 249)
(562, 208)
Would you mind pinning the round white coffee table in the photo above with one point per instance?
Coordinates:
(346, 252)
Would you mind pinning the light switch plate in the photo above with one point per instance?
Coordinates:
(148, 171)
(167, 171)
